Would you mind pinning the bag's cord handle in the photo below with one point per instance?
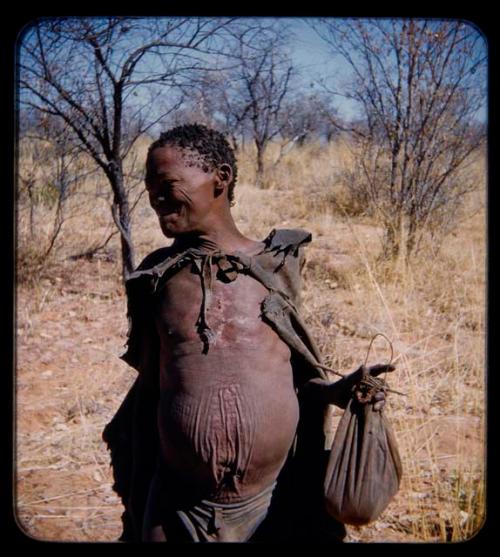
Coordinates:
(326, 368)
(390, 360)
(370, 346)
(366, 361)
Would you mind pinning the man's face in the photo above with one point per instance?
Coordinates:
(182, 196)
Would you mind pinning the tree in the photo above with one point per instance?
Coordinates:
(51, 168)
(90, 73)
(265, 82)
(227, 109)
(249, 98)
(419, 86)
(246, 99)
(308, 116)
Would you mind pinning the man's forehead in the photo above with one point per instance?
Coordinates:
(168, 155)
(173, 155)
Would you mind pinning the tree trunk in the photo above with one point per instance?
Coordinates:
(392, 237)
(411, 238)
(403, 240)
(31, 198)
(302, 139)
(235, 145)
(121, 216)
(260, 164)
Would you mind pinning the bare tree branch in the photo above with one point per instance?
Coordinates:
(81, 70)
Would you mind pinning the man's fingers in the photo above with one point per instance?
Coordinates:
(377, 369)
(356, 376)
(379, 405)
(379, 396)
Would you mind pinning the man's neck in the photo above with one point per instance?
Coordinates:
(223, 236)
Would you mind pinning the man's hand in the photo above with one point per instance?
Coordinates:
(341, 391)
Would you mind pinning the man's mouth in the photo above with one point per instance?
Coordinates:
(173, 208)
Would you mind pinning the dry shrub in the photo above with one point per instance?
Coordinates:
(30, 264)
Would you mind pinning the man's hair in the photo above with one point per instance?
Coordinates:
(211, 147)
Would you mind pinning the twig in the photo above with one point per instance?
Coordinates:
(100, 508)
(71, 494)
(53, 516)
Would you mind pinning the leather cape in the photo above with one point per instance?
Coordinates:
(297, 511)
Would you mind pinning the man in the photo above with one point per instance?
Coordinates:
(221, 436)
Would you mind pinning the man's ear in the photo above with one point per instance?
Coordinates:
(224, 176)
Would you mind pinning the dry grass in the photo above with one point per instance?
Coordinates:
(71, 328)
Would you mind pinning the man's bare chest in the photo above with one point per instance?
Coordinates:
(230, 308)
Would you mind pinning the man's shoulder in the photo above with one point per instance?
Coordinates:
(155, 258)
(151, 267)
(287, 239)
(282, 260)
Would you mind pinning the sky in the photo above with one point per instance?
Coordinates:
(316, 61)
(312, 54)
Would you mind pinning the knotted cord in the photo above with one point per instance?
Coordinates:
(228, 271)
(206, 334)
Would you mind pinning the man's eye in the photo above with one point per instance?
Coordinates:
(157, 200)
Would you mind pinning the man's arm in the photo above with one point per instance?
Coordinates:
(340, 392)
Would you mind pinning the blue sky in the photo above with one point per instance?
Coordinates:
(311, 52)
(315, 60)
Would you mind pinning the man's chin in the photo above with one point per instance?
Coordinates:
(169, 229)
(169, 233)
(173, 232)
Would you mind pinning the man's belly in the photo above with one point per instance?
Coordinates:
(227, 421)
